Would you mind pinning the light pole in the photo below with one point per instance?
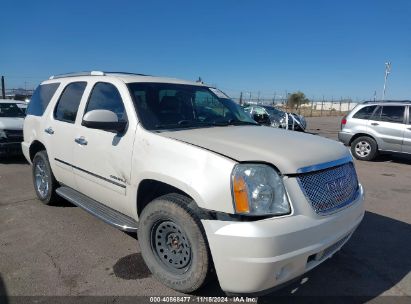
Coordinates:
(387, 71)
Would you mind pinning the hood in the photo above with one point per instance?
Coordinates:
(11, 123)
(289, 151)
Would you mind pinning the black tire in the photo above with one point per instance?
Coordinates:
(364, 148)
(173, 243)
(41, 162)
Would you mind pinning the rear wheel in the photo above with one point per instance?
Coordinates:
(364, 148)
(173, 243)
(44, 182)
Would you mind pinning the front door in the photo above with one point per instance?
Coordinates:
(102, 159)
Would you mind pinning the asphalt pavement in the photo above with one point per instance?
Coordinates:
(64, 251)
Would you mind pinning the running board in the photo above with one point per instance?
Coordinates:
(106, 214)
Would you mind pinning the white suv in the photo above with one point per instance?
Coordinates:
(204, 186)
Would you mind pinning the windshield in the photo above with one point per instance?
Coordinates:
(273, 111)
(175, 106)
(10, 110)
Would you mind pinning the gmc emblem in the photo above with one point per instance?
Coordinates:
(336, 184)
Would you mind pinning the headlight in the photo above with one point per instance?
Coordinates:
(258, 190)
(3, 134)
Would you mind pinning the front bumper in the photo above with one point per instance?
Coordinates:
(251, 257)
(13, 148)
(345, 137)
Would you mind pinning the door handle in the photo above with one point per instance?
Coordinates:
(374, 124)
(81, 140)
(49, 130)
(409, 129)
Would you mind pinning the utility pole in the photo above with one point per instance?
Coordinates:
(3, 88)
(387, 71)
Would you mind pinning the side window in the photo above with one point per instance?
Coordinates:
(41, 98)
(67, 105)
(409, 115)
(105, 96)
(393, 114)
(364, 113)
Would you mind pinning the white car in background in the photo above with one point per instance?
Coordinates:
(12, 113)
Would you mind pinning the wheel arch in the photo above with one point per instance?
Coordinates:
(150, 189)
(35, 147)
(358, 135)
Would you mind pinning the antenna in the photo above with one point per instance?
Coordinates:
(387, 71)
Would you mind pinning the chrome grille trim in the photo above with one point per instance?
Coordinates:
(326, 165)
(330, 189)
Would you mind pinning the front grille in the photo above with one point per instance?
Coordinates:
(330, 250)
(13, 136)
(330, 189)
(327, 252)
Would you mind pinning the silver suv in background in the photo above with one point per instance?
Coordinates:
(377, 126)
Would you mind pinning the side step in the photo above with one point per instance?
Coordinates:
(106, 214)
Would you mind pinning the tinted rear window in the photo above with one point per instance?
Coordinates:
(41, 98)
(365, 113)
(67, 106)
(392, 114)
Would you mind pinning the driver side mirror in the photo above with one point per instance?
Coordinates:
(103, 120)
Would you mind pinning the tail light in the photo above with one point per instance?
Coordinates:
(343, 122)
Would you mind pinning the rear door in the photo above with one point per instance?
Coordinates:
(387, 125)
(59, 130)
(406, 147)
(102, 159)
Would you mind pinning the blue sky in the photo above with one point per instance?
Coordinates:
(331, 48)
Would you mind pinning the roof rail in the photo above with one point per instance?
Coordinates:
(90, 73)
(127, 73)
(387, 101)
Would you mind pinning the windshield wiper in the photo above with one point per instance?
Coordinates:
(238, 122)
(182, 124)
(234, 122)
(195, 123)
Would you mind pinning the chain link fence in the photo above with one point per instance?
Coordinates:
(313, 108)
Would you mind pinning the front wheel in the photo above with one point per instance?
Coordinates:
(173, 243)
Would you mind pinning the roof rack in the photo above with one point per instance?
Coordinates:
(127, 73)
(387, 101)
(90, 73)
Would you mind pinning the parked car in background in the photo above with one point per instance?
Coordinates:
(373, 127)
(274, 117)
(11, 127)
(205, 187)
